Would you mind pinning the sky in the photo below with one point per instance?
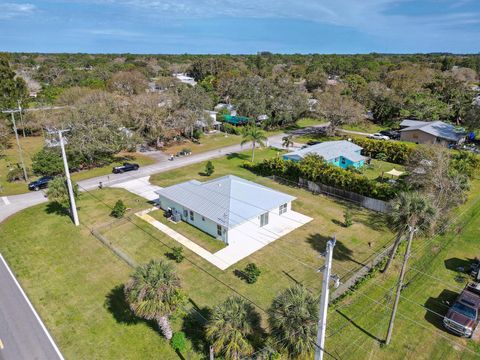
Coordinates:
(240, 26)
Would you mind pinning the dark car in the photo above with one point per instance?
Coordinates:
(392, 134)
(41, 183)
(125, 167)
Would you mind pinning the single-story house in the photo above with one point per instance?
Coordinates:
(220, 205)
(431, 132)
(341, 153)
(208, 122)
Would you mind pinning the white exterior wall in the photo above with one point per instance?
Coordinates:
(207, 225)
(250, 226)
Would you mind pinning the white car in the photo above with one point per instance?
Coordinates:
(378, 136)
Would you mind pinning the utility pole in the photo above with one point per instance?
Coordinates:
(21, 118)
(322, 317)
(20, 152)
(73, 206)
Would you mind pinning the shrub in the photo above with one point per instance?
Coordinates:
(16, 174)
(47, 162)
(118, 209)
(395, 152)
(251, 272)
(197, 134)
(381, 156)
(179, 341)
(231, 129)
(177, 254)
(209, 168)
(347, 218)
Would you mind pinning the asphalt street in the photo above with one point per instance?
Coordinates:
(22, 334)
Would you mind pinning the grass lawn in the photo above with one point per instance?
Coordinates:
(199, 237)
(306, 122)
(32, 144)
(360, 323)
(207, 142)
(366, 127)
(377, 167)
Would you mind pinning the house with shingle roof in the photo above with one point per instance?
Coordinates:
(431, 132)
(224, 204)
(341, 153)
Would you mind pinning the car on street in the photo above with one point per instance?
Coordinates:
(392, 134)
(41, 183)
(462, 318)
(125, 167)
(378, 136)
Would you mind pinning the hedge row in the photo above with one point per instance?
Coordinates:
(395, 152)
(313, 168)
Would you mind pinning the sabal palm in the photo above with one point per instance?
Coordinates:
(154, 293)
(287, 141)
(255, 135)
(406, 208)
(293, 321)
(230, 325)
(419, 217)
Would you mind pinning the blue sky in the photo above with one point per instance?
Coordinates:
(240, 26)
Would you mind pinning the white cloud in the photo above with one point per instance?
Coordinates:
(113, 32)
(11, 10)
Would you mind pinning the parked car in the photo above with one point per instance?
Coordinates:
(41, 183)
(392, 134)
(125, 167)
(462, 317)
(378, 136)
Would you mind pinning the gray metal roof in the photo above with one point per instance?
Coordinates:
(409, 122)
(438, 129)
(228, 200)
(330, 150)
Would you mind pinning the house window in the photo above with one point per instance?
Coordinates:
(264, 219)
(219, 230)
(283, 209)
(191, 216)
(203, 218)
(344, 161)
(185, 214)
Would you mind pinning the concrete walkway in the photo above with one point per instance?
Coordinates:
(211, 258)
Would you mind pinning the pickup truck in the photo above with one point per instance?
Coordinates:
(41, 183)
(462, 317)
(125, 167)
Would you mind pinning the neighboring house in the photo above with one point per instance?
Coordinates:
(209, 122)
(184, 78)
(431, 132)
(341, 153)
(229, 202)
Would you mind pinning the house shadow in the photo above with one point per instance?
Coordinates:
(116, 304)
(56, 208)
(359, 327)
(458, 265)
(439, 307)
(340, 251)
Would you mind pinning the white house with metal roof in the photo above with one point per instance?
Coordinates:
(226, 204)
(341, 153)
(431, 132)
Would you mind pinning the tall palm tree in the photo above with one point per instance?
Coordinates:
(255, 135)
(419, 218)
(230, 325)
(154, 293)
(293, 320)
(287, 141)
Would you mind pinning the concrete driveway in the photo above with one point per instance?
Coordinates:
(141, 187)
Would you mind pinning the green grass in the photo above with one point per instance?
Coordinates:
(32, 144)
(366, 127)
(377, 168)
(426, 339)
(207, 142)
(306, 122)
(199, 237)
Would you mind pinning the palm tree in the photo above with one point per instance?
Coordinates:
(230, 325)
(293, 320)
(287, 141)
(419, 217)
(154, 292)
(254, 135)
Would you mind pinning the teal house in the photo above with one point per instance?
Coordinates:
(341, 153)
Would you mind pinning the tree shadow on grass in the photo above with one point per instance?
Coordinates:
(56, 208)
(238, 156)
(440, 306)
(116, 304)
(194, 327)
(340, 251)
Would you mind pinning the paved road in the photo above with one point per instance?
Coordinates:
(10, 205)
(23, 336)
